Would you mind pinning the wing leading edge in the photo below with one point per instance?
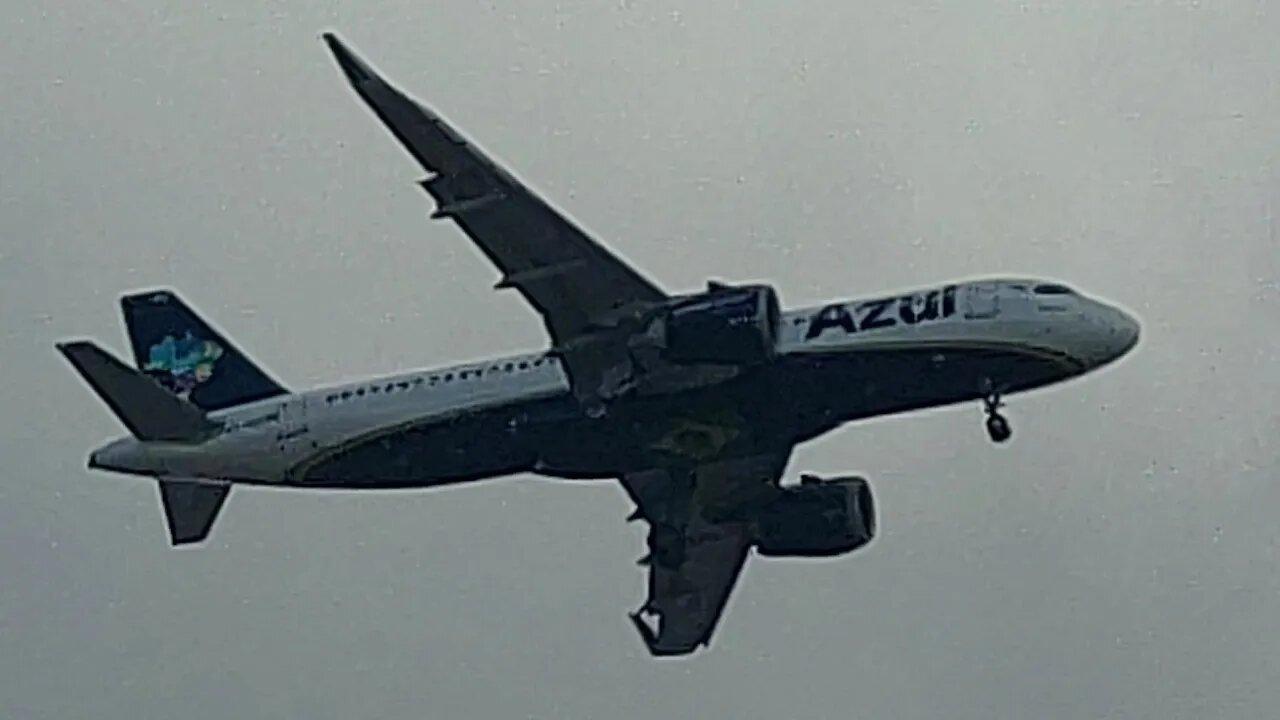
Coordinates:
(575, 283)
(697, 547)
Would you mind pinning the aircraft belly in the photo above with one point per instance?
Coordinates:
(549, 436)
(424, 452)
(800, 397)
(687, 428)
(850, 386)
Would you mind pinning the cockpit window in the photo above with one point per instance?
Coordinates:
(1053, 290)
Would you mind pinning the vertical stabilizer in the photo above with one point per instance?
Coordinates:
(174, 345)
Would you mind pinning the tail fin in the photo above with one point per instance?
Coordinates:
(173, 344)
(191, 507)
(145, 408)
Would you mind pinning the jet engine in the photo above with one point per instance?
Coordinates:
(818, 518)
(726, 326)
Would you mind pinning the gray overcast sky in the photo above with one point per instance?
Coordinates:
(1117, 560)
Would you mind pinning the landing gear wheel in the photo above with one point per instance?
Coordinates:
(997, 425)
(998, 428)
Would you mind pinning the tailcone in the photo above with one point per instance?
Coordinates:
(126, 456)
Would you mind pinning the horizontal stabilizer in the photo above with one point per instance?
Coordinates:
(191, 507)
(148, 410)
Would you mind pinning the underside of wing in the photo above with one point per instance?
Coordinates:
(689, 599)
(574, 282)
(700, 536)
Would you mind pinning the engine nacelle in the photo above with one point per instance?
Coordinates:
(818, 519)
(727, 326)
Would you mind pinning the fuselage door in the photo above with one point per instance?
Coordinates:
(293, 422)
(982, 300)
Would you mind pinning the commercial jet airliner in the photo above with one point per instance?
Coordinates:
(692, 401)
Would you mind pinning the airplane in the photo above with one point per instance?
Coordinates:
(693, 401)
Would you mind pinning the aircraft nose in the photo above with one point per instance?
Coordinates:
(1115, 333)
(1125, 331)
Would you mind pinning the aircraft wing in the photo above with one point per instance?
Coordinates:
(697, 549)
(571, 280)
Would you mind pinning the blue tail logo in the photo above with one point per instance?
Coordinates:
(181, 364)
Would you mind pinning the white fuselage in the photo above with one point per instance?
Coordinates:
(262, 442)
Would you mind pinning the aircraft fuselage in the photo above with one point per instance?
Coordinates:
(835, 364)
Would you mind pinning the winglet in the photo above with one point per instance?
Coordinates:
(148, 410)
(352, 66)
(402, 116)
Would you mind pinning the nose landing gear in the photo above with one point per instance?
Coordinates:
(997, 424)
